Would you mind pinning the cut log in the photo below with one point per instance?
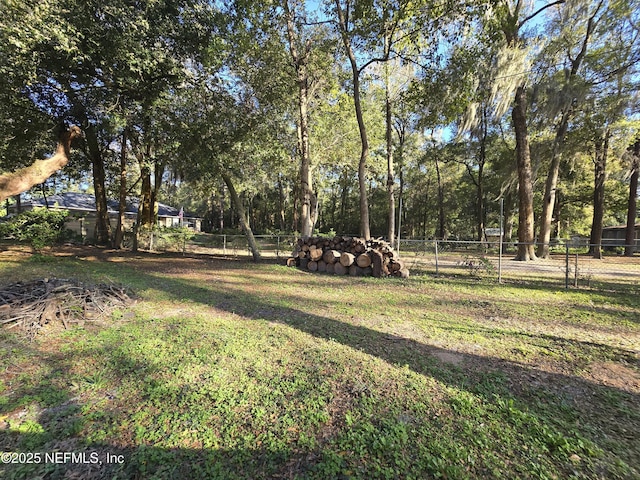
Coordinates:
(322, 266)
(312, 266)
(379, 267)
(291, 262)
(347, 259)
(340, 269)
(330, 267)
(356, 271)
(302, 255)
(315, 254)
(396, 265)
(304, 263)
(363, 261)
(331, 256)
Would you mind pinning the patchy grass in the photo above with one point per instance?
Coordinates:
(226, 369)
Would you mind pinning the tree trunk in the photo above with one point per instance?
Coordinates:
(158, 173)
(391, 233)
(526, 225)
(509, 217)
(282, 199)
(145, 218)
(309, 201)
(365, 231)
(600, 177)
(550, 189)
(558, 142)
(630, 233)
(244, 222)
(441, 217)
(103, 226)
(344, 197)
(480, 182)
(122, 201)
(12, 184)
(221, 208)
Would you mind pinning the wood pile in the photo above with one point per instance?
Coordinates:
(31, 305)
(347, 255)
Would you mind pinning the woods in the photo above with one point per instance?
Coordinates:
(361, 119)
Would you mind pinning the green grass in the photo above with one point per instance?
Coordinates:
(225, 369)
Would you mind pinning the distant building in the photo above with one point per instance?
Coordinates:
(615, 237)
(82, 209)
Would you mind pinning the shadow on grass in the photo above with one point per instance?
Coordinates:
(482, 376)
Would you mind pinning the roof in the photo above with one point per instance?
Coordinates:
(619, 227)
(86, 202)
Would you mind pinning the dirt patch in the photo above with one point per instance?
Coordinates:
(615, 375)
(449, 357)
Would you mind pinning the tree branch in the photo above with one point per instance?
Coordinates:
(540, 10)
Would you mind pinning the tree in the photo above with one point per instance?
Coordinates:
(301, 48)
(612, 71)
(569, 95)
(515, 55)
(346, 30)
(630, 231)
(601, 152)
(99, 55)
(23, 179)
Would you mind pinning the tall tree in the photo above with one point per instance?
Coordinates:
(600, 154)
(630, 231)
(300, 48)
(346, 28)
(568, 95)
(512, 18)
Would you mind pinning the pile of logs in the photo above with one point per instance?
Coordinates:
(347, 255)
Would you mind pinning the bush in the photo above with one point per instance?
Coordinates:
(165, 238)
(39, 227)
(174, 238)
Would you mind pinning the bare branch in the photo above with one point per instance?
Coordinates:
(540, 10)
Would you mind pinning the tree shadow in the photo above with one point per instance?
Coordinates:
(459, 370)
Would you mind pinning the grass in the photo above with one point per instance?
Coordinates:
(225, 369)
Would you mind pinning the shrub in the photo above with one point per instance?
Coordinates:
(165, 238)
(39, 227)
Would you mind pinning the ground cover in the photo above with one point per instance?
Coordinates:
(225, 369)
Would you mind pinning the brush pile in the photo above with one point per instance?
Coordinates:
(347, 255)
(31, 305)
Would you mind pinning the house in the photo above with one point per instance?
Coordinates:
(613, 237)
(82, 209)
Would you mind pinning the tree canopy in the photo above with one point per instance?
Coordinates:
(325, 116)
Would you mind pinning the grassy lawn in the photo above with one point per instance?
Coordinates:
(225, 369)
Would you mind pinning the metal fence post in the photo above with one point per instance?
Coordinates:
(436, 244)
(224, 245)
(501, 240)
(566, 266)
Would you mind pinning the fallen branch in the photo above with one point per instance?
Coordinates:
(31, 305)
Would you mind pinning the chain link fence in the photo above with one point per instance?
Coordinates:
(568, 266)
